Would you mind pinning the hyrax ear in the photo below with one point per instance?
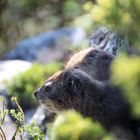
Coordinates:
(76, 80)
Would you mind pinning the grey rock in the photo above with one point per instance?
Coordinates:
(109, 41)
(33, 48)
(11, 68)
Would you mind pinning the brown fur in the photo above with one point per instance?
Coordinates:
(84, 86)
(92, 61)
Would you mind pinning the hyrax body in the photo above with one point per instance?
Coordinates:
(84, 85)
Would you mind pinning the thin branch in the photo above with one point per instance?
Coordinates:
(21, 137)
(3, 133)
(13, 138)
(3, 109)
(20, 109)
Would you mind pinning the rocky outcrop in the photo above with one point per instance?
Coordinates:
(47, 46)
(109, 41)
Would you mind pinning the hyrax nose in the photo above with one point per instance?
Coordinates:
(36, 92)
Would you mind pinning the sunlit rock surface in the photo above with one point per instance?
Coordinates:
(10, 68)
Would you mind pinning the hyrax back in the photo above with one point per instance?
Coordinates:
(95, 63)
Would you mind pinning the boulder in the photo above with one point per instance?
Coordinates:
(109, 41)
(46, 46)
(10, 68)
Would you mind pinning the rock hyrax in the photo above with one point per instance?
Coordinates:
(84, 85)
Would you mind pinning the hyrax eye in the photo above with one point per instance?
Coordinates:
(71, 82)
(47, 87)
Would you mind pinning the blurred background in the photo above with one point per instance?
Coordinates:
(34, 20)
(37, 37)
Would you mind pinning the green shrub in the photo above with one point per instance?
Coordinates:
(71, 126)
(23, 85)
(32, 130)
(126, 74)
(119, 15)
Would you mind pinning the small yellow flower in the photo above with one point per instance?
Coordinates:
(12, 111)
(97, 14)
(126, 18)
(106, 3)
(88, 6)
(20, 130)
(14, 98)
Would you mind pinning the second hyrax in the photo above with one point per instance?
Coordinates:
(84, 85)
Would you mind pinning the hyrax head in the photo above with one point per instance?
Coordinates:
(64, 90)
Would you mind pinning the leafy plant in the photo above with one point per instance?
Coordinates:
(119, 15)
(3, 113)
(71, 126)
(32, 130)
(126, 75)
